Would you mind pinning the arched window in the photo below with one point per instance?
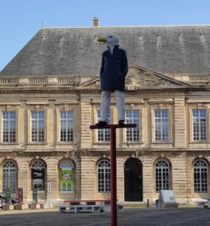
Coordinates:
(200, 176)
(162, 175)
(38, 175)
(104, 176)
(9, 176)
(66, 176)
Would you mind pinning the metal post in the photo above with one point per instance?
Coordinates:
(113, 166)
(113, 177)
(49, 192)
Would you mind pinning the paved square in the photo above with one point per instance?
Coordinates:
(127, 217)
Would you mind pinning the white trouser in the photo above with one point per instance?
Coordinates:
(105, 104)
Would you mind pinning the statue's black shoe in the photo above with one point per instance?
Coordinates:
(101, 123)
(121, 122)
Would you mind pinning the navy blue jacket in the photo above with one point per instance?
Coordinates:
(114, 68)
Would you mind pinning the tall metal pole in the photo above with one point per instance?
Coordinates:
(113, 166)
(113, 177)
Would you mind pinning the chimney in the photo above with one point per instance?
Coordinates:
(95, 22)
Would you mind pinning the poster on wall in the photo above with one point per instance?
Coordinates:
(20, 195)
(67, 179)
(38, 179)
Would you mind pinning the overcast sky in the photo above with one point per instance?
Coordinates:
(20, 20)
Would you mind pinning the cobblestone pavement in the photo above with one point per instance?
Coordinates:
(127, 217)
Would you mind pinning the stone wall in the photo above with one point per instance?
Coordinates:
(85, 151)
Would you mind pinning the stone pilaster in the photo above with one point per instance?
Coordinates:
(178, 172)
(88, 176)
(86, 120)
(179, 122)
(52, 170)
(23, 174)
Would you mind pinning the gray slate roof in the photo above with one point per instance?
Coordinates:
(75, 51)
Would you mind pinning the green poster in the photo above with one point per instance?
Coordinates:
(67, 179)
(8, 195)
(35, 197)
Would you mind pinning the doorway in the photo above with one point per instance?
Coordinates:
(133, 191)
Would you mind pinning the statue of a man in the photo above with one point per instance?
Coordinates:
(114, 68)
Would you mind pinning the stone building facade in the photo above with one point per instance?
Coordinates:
(49, 97)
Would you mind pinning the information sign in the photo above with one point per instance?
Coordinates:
(167, 196)
(8, 196)
(35, 197)
(166, 199)
(49, 187)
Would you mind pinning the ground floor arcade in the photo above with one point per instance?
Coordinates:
(85, 174)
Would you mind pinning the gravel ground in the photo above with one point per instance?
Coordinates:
(126, 217)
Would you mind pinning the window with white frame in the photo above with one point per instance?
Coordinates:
(162, 175)
(132, 134)
(199, 125)
(9, 127)
(38, 175)
(37, 126)
(200, 176)
(104, 176)
(66, 176)
(9, 176)
(103, 134)
(66, 126)
(161, 125)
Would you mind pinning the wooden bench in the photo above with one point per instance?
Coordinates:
(77, 206)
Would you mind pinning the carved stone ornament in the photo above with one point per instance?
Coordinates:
(8, 108)
(132, 106)
(66, 107)
(37, 107)
(198, 106)
(98, 107)
(138, 78)
(94, 85)
(160, 106)
(97, 85)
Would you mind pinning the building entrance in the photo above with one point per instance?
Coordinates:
(133, 180)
